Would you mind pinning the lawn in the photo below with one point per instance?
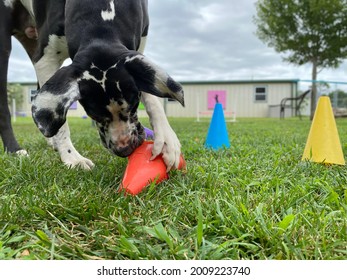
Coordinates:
(255, 200)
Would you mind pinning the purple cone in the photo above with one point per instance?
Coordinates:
(149, 133)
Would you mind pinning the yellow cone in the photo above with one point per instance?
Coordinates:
(323, 142)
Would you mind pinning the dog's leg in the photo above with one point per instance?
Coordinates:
(165, 140)
(9, 141)
(45, 67)
(68, 154)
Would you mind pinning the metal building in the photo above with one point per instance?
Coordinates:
(248, 98)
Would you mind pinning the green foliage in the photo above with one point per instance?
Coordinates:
(307, 31)
(312, 31)
(15, 91)
(341, 97)
(256, 200)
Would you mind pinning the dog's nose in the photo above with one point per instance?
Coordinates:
(125, 150)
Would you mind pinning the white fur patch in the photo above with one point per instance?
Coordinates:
(87, 76)
(165, 140)
(131, 58)
(28, 4)
(9, 3)
(51, 61)
(160, 75)
(110, 13)
(68, 154)
(118, 86)
(49, 101)
(142, 45)
(22, 153)
(118, 131)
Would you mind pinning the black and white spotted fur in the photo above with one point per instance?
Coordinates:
(108, 75)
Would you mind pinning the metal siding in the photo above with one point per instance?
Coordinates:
(240, 98)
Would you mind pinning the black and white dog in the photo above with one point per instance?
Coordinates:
(109, 75)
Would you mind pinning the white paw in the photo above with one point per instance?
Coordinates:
(167, 144)
(77, 161)
(22, 153)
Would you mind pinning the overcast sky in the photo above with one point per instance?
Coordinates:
(196, 40)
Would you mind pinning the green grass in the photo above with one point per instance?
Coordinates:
(256, 200)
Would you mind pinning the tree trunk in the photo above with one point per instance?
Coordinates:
(314, 89)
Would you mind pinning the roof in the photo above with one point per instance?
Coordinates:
(24, 83)
(212, 82)
(223, 82)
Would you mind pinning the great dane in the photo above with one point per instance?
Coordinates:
(109, 75)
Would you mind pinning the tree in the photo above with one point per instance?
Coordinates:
(15, 91)
(338, 98)
(307, 31)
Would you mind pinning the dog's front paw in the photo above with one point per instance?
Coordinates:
(77, 161)
(167, 144)
(22, 153)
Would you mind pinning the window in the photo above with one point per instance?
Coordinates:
(32, 93)
(260, 94)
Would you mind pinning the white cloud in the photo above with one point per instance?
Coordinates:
(205, 40)
(20, 67)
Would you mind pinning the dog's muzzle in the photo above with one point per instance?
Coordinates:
(123, 146)
(125, 150)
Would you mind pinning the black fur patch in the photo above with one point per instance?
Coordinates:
(47, 122)
(123, 117)
(173, 86)
(96, 73)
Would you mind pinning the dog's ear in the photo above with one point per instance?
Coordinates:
(52, 101)
(152, 79)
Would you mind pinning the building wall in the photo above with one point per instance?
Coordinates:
(239, 99)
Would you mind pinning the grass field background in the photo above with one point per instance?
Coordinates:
(255, 200)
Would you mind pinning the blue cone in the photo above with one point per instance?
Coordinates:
(217, 136)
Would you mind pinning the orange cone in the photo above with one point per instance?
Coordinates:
(141, 171)
(323, 142)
